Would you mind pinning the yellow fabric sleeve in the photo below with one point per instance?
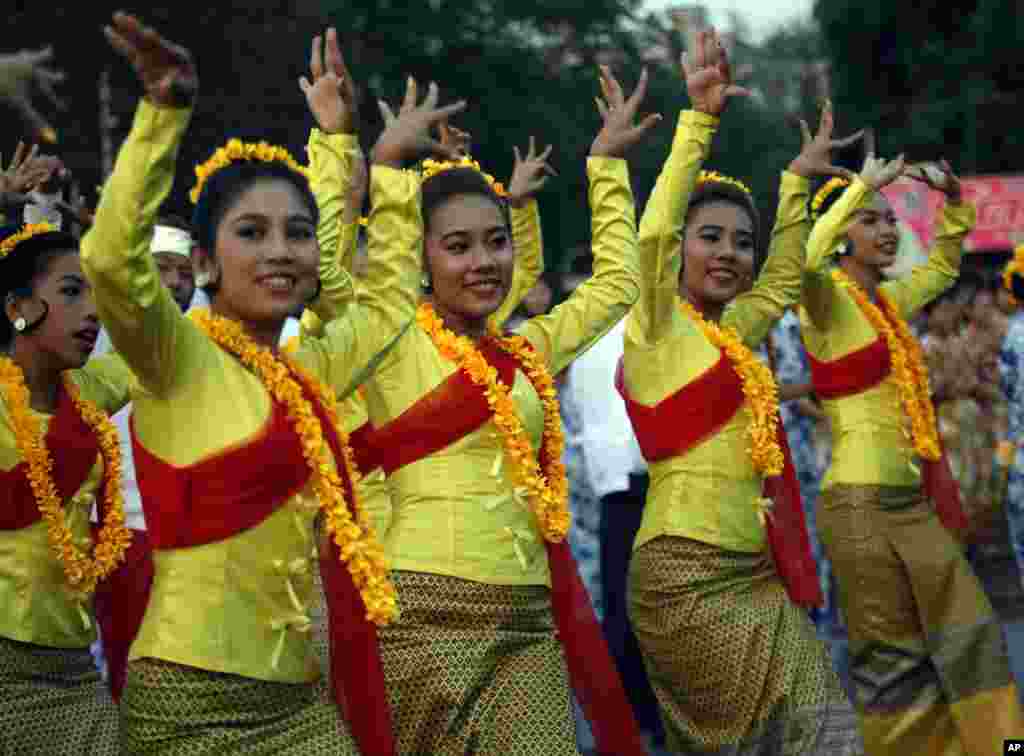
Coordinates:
(529, 247)
(597, 305)
(778, 287)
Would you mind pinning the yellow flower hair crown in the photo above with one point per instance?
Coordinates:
(714, 177)
(236, 150)
(27, 232)
(433, 167)
(1014, 267)
(830, 186)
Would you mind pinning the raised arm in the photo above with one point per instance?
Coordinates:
(939, 273)
(529, 175)
(353, 346)
(138, 311)
(606, 297)
(779, 285)
(334, 161)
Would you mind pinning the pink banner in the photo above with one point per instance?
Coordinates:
(1000, 203)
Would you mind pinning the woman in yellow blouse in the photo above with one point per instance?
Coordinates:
(466, 427)
(928, 661)
(223, 660)
(734, 662)
(58, 454)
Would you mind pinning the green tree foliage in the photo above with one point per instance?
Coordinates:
(935, 78)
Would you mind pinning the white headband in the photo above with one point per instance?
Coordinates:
(170, 239)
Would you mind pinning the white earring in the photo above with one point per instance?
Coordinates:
(19, 324)
(202, 279)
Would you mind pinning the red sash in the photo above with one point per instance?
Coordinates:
(237, 489)
(864, 369)
(73, 448)
(692, 415)
(120, 603)
(448, 413)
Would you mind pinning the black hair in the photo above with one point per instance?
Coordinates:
(223, 189)
(441, 187)
(28, 260)
(716, 191)
(1017, 286)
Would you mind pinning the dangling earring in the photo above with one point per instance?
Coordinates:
(202, 279)
(19, 324)
(425, 283)
(845, 248)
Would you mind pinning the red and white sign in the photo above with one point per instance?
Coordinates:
(1000, 203)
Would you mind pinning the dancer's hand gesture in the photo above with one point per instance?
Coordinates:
(332, 94)
(815, 159)
(529, 175)
(939, 177)
(709, 76)
(620, 132)
(878, 172)
(406, 136)
(164, 68)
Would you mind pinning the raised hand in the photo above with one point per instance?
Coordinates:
(529, 175)
(25, 171)
(709, 77)
(164, 68)
(939, 177)
(876, 172)
(456, 139)
(620, 132)
(19, 73)
(332, 94)
(815, 159)
(406, 137)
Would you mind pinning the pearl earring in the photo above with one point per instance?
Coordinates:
(19, 324)
(202, 279)
(425, 282)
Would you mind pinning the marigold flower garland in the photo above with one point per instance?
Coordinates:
(237, 150)
(908, 366)
(758, 387)
(837, 183)
(548, 489)
(1014, 267)
(284, 379)
(27, 232)
(714, 177)
(82, 571)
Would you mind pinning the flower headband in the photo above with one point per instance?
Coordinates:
(433, 167)
(714, 177)
(236, 150)
(27, 232)
(824, 193)
(1014, 267)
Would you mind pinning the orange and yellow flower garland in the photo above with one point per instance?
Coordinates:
(1014, 267)
(81, 570)
(908, 366)
(759, 389)
(356, 539)
(548, 489)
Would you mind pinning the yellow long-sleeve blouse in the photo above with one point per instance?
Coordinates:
(455, 512)
(353, 412)
(868, 442)
(238, 605)
(711, 492)
(35, 603)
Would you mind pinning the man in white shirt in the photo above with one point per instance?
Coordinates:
(617, 474)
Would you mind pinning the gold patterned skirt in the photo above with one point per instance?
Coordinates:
(928, 660)
(54, 703)
(736, 667)
(173, 710)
